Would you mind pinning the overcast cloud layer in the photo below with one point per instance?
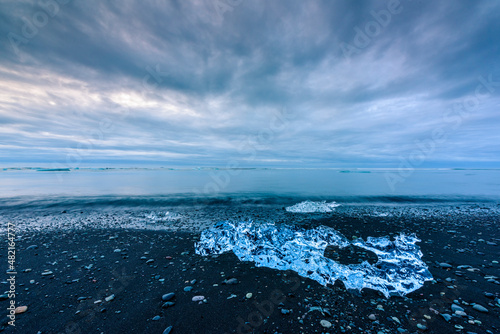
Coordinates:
(250, 83)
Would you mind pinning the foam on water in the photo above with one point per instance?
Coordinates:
(309, 206)
(398, 271)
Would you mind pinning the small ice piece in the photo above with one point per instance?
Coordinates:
(309, 206)
(163, 216)
(398, 271)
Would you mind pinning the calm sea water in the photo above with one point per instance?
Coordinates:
(341, 185)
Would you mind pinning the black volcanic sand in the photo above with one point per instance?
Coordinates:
(139, 266)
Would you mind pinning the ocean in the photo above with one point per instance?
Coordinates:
(39, 187)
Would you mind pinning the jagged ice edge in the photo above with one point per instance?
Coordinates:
(398, 271)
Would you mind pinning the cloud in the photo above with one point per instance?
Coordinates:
(263, 84)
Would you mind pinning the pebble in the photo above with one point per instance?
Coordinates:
(47, 273)
(455, 308)
(167, 330)
(445, 265)
(284, 311)
(168, 296)
(325, 323)
(150, 261)
(156, 318)
(446, 316)
(4, 297)
(188, 288)
(422, 327)
(249, 295)
(109, 298)
(231, 281)
(198, 298)
(372, 317)
(168, 304)
(489, 295)
(20, 309)
(480, 308)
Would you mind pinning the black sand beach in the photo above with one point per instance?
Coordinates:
(111, 280)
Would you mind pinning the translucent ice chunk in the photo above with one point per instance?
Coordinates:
(398, 271)
(308, 206)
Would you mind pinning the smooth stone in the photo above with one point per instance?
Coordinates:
(325, 323)
(167, 330)
(20, 309)
(480, 308)
(249, 295)
(422, 327)
(231, 281)
(188, 288)
(372, 317)
(31, 247)
(47, 273)
(197, 298)
(156, 318)
(109, 298)
(168, 304)
(455, 307)
(168, 296)
(464, 267)
(486, 294)
(445, 265)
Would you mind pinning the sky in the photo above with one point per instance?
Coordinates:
(240, 83)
